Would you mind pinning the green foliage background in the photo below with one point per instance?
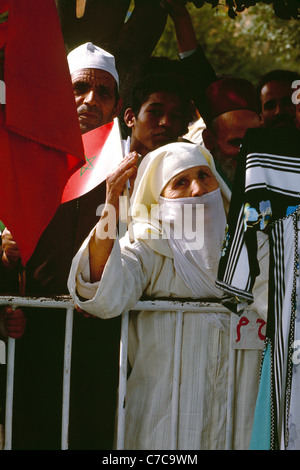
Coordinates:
(248, 46)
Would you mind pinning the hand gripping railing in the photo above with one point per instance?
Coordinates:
(152, 305)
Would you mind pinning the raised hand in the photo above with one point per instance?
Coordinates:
(10, 250)
(102, 241)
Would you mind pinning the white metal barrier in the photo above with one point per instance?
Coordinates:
(66, 303)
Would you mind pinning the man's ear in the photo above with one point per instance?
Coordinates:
(118, 108)
(129, 117)
(208, 139)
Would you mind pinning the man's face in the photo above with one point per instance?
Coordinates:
(161, 120)
(228, 132)
(278, 109)
(94, 91)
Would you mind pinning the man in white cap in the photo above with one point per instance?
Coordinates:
(96, 86)
(95, 345)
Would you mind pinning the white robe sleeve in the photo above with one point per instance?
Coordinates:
(124, 279)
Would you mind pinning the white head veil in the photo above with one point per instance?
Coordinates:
(155, 171)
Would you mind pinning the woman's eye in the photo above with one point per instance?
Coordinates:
(181, 182)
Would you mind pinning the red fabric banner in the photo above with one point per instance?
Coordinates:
(40, 101)
(40, 139)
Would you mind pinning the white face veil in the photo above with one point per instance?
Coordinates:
(156, 218)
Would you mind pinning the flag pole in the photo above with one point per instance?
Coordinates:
(126, 192)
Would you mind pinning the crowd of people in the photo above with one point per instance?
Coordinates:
(170, 168)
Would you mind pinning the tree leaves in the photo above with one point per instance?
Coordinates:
(284, 9)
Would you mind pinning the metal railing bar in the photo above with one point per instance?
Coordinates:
(66, 303)
(9, 393)
(162, 305)
(122, 382)
(230, 396)
(67, 379)
(47, 302)
(166, 305)
(176, 380)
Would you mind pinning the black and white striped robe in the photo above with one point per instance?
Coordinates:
(265, 198)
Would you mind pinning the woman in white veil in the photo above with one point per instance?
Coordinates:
(108, 276)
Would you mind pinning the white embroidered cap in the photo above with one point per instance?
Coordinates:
(89, 56)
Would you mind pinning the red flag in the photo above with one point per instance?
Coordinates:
(103, 152)
(41, 144)
(39, 95)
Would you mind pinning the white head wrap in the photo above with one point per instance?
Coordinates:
(196, 263)
(155, 171)
(89, 56)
